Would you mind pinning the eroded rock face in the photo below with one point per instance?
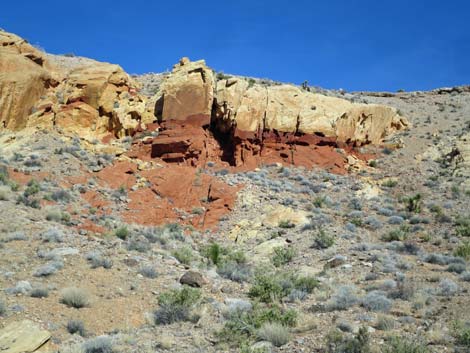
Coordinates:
(23, 79)
(255, 123)
(288, 109)
(92, 100)
(187, 94)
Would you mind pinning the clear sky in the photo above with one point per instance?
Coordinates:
(355, 45)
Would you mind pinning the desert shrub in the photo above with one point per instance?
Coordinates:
(28, 201)
(465, 276)
(198, 210)
(270, 287)
(76, 326)
(32, 188)
(100, 261)
(319, 201)
(4, 176)
(3, 308)
(267, 288)
(61, 195)
(463, 250)
(282, 256)
(242, 325)
(336, 342)
(447, 288)
(323, 240)
(385, 323)
(395, 220)
(413, 203)
(16, 236)
(390, 183)
(148, 272)
(122, 232)
(75, 297)
(184, 254)
(461, 332)
(405, 290)
(440, 259)
(275, 333)
(39, 292)
(286, 224)
(344, 298)
(376, 301)
(456, 268)
(399, 234)
(52, 235)
(176, 305)
(234, 271)
(221, 256)
(48, 269)
(403, 345)
(140, 244)
(214, 253)
(58, 216)
(101, 344)
(462, 226)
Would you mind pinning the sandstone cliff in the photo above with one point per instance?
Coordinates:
(92, 100)
(199, 117)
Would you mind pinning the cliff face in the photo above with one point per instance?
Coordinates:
(198, 117)
(255, 123)
(92, 100)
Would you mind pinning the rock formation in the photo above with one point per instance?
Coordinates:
(199, 118)
(91, 100)
(254, 122)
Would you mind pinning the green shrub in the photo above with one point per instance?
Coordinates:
(214, 253)
(390, 183)
(413, 203)
(282, 255)
(32, 188)
(275, 333)
(461, 333)
(3, 308)
(270, 287)
(244, 325)
(286, 224)
(463, 250)
(267, 288)
(76, 326)
(399, 234)
(176, 305)
(323, 240)
(462, 226)
(402, 345)
(184, 255)
(122, 232)
(319, 201)
(337, 342)
(219, 255)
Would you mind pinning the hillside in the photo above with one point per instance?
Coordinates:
(195, 211)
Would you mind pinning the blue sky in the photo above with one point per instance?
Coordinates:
(355, 45)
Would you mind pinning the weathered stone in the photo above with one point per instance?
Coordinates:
(187, 94)
(193, 279)
(286, 108)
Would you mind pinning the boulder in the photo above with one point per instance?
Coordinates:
(193, 279)
(187, 94)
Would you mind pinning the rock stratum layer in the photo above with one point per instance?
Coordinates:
(199, 117)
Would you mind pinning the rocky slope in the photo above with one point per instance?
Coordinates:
(191, 211)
